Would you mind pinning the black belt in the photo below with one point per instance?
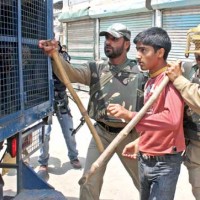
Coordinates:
(157, 158)
(110, 128)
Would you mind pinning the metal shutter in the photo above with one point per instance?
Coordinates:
(176, 23)
(81, 41)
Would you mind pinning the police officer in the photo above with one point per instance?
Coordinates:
(114, 81)
(190, 92)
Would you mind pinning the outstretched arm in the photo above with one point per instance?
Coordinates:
(75, 74)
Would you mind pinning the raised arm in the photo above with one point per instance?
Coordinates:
(76, 74)
(189, 91)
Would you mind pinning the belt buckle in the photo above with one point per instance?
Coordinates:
(146, 157)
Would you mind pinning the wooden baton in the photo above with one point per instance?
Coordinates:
(77, 100)
(123, 133)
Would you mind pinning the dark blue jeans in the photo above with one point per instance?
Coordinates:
(66, 124)
(159, 176)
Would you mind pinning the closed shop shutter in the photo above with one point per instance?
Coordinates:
(136, 23)
(176, 23)
(81, 41)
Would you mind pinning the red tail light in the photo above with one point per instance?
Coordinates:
(12, 146)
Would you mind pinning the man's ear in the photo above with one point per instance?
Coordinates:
(128, 44)
(161, 52)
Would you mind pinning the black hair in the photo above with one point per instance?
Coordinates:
(155, 37)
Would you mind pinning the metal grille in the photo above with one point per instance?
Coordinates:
(8, 20)
(9, 71)
(25, 73)
(33, 19)
(31, 143)
(35, 76)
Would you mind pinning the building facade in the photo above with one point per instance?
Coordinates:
(82, 20)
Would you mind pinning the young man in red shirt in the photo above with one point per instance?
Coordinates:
(161, 141)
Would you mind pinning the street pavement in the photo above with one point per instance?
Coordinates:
(117, 183)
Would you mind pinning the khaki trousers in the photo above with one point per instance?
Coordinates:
(193, 165)
(91, 190)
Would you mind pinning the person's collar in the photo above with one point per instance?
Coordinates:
(112, 65)
(153, 75)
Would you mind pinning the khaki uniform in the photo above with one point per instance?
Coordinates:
(91, 190)
(191, 94)
(193, 165)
